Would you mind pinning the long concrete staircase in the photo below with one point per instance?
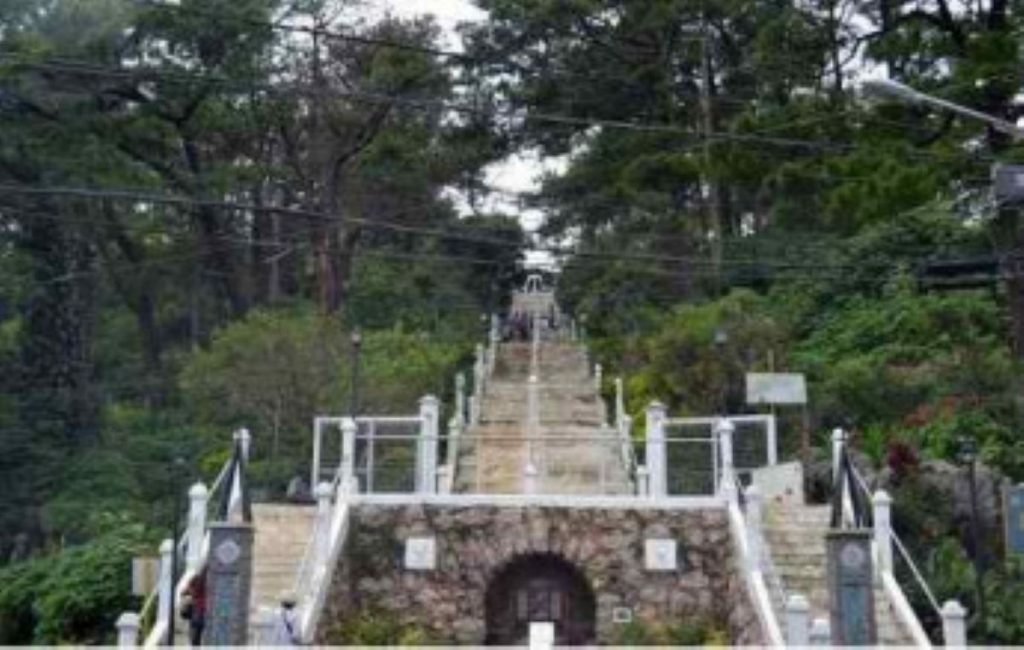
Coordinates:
(282, 533)
(795, 537)
(572, 450)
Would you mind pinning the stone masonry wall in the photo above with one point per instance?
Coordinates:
(473, 543)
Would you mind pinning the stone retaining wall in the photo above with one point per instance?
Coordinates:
(473, 543)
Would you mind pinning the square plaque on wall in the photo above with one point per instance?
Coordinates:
(660, 555)
(420, 553)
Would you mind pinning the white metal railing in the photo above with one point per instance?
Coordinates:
(153, 620)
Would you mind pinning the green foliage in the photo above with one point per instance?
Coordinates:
(375, 627)
(73, 596)
(638, 633)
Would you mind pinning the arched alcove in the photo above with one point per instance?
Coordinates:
(539, 587)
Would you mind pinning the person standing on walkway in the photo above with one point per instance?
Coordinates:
(195, 608)
(286, 631)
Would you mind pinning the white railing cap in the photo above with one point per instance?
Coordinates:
(198, 491)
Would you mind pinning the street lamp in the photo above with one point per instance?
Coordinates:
(967, 454)
(896, 90)
(356, 339)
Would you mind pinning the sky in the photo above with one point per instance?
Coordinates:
(516, 174)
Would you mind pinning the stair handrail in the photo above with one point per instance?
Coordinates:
(885, 574)
(751, 568)
(153, 630)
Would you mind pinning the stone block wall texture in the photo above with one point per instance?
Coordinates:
(474, 543)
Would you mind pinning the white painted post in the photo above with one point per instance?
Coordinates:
(317, 445)
(771, 431)
(656, 464)
(474, 410)
(573, 334)
(724, 430)
(753, 497)
(444, 485)
(165, 585)
(454, 439)
(196, 532)
(626, 439)
(643, 481)
(263, 626)
(883, 525)
(427, 448)
(798, 620)
(128, 630)
(620, 403)
(821, 632)
(838, 439)
(534, 347)
(479, 369)
(954, 630)
(246, 438)
(348, 448)
(460, 396)
(322, 527)
(598, 377)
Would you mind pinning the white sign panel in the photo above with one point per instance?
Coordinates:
(420, 553)
(542, 635)
(660, 554)
(776, 388)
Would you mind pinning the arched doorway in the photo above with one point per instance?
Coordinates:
(539, 587)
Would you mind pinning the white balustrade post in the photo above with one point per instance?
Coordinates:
(573, 334)
(724, 430)
(754, 517)
(165, 584)
(263, 626)
(643, 481)
(349, 430)
(427, 449)
(474, 410)
(534, 347)
(798, 621)
(838, 440)
(821, 632)
(954, 629)
(533, 403)
(128, 630)
(454, 438)
(444, 483)
(620, 402)
(245, 437)
(773, 441)
(322, 527)
(883, 526)
(479, 369)
(656, 464)
(196, 532)
(460, 396)
(598, 377)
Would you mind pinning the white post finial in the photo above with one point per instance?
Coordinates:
(246, 438)
(427, 448)
(954, 629)
(821, 632)
(724, 430)
(883, 526)
(128, 630)
(754, 517)
(798, 621)
(198, 496)
(165, 584)
(656, 464)
(838, 440)
(349, 430)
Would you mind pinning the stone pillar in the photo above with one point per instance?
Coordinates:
(426, 452)
(656, 464)
(851, 587)
(165, 584)
(724, 430)
(128, 630)
(820, 634)
(229, 582)
(196, 532)
(798, 619)
(954, 628)
(349, 429)
(754, 520)
(883, 525)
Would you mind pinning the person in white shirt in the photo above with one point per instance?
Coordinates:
(286, 631)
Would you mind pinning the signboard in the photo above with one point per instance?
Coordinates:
(145, 571)
(776, 388)
(1013, 500)
(542, 635)
(1008, 183)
